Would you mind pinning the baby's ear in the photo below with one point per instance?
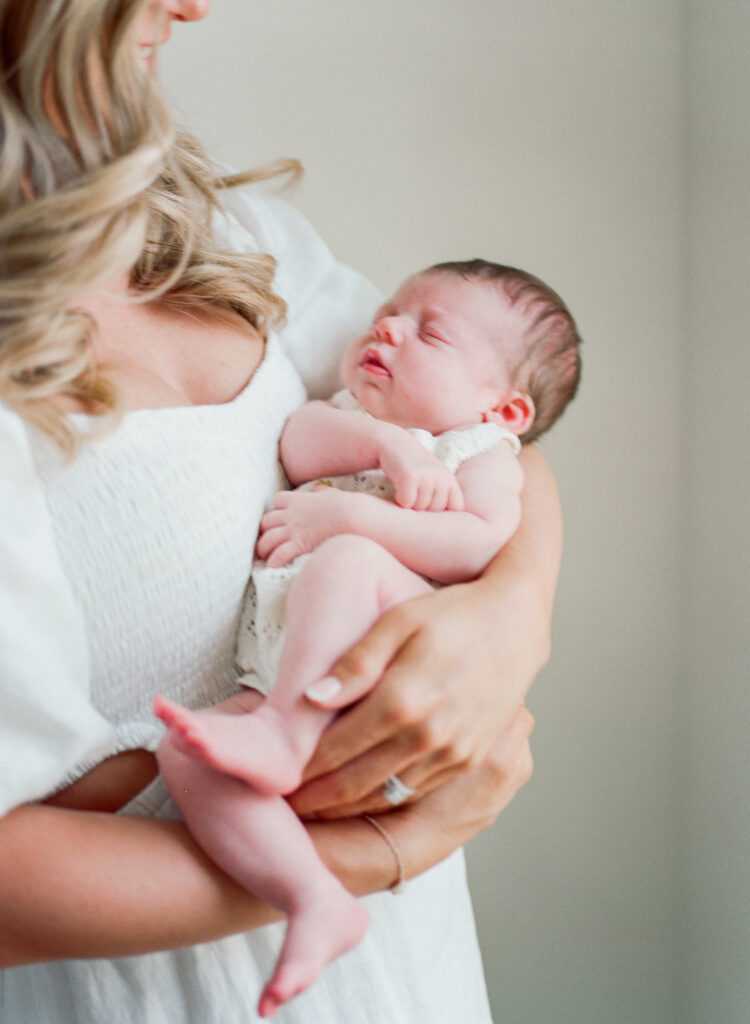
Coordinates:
(515, 412)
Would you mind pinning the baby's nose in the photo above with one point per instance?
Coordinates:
(390, 329)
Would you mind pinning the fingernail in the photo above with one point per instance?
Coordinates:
(325, 689)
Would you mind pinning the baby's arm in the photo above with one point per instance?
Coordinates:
(450, 547)
(320, 440)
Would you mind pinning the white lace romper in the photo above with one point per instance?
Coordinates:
(263, 623)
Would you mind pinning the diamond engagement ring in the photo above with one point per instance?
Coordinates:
(396, 792)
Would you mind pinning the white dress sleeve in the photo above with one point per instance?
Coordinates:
(328, 303)
(47, 723)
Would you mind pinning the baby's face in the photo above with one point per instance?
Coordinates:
(433, 357)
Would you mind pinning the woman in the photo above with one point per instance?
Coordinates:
(124, 308)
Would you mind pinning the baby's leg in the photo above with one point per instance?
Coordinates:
(340, 592)
(260, 842)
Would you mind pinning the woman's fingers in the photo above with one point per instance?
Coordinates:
(418, 703)
(473, 799)
(358, 786)
(390, 713)
(378, 715)
(344, 793)
(511, 762)
(511, 743)
(375, 802)
(347, 787)
(362, 666)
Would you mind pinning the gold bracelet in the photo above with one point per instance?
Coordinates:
(400, 884)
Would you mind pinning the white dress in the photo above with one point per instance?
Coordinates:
(122, 576)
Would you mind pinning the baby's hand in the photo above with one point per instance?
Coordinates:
(420, 480)
(299, 521)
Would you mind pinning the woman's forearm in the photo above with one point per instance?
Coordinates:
(80, 884)
(531, 558)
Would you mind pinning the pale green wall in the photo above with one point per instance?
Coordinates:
(567, 136)
(715, 890)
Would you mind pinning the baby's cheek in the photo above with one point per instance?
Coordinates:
(435, 392)
(347, 366)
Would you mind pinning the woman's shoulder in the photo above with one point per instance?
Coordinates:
(328, 303)
(19, 478)
(13, 433)
(252, 219)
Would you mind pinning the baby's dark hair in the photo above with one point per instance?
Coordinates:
(550, 365)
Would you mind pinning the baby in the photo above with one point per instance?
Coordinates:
(462, 364)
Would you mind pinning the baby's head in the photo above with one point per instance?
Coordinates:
(464, 342)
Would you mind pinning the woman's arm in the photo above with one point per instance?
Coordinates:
(83, 884)
(451, 669)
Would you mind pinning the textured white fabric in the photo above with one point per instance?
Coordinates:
(263, 623)
(155, 526)
(47, 722)
(154, 529)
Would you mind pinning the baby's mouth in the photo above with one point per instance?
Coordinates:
(372, 363)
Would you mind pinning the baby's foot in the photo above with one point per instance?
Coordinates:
(254, 747)
(316, 934)
(187, 729)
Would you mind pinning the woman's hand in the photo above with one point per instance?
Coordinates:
(448, 817)
(432, 686)
(452, 676)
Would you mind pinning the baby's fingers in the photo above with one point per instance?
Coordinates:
(446, 496)
(282, 499)
(270, 540)
(455, 502)
(440, 500)
(428, 497)
(283, 554)
(276, 517)
(406, 493)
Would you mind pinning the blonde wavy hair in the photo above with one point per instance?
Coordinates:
(96, 181)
